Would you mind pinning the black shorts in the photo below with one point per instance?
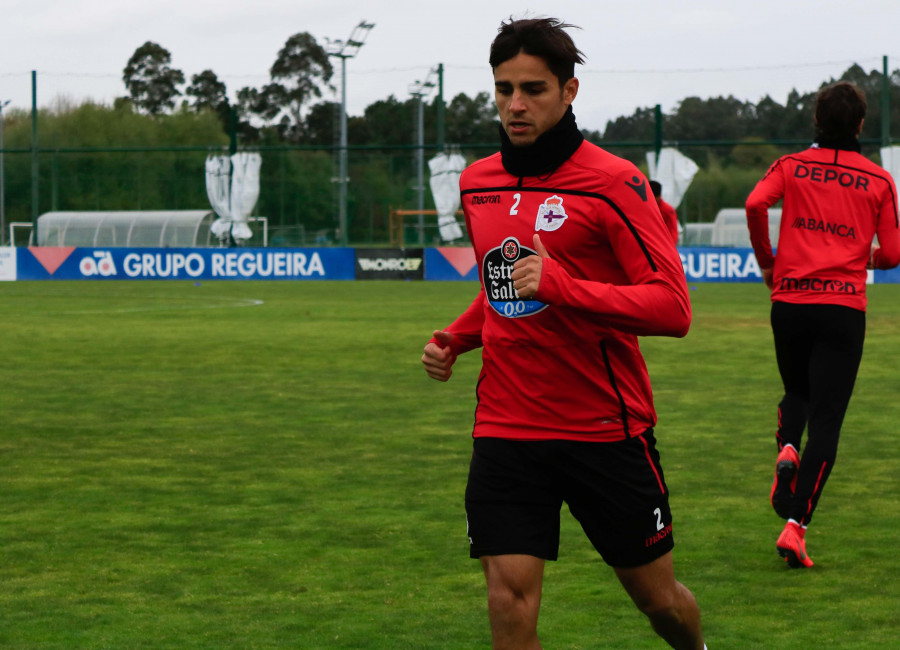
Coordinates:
(616, 490)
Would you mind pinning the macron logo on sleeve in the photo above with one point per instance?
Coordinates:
(640, 187)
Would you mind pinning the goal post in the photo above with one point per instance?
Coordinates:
(397, 223)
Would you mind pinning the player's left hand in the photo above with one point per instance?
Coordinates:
(526, 275)
(871, 263)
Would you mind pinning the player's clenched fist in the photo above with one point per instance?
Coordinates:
(526, 275)
(439, 357)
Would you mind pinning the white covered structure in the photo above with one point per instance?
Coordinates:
(674, 171)
(890, 160)
(446, 169)
(730, 228)
(131, 228)
(232, 185)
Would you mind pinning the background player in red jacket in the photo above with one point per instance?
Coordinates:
(835, 202)
(670, 216)
(574, 263)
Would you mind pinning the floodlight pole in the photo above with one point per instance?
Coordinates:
(440, 107)
(885, 104)
(3, 104)
(346, 50)
(418, 90)
(35, 169)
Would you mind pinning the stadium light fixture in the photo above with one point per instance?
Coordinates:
(3, 104)
(345, 50)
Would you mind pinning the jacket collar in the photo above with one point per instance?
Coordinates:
(843, 144)
(550, 150)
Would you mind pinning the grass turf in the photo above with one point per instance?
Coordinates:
(262, 465)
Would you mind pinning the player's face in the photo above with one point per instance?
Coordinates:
(529, 98)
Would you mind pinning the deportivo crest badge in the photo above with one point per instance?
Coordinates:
(551, 215)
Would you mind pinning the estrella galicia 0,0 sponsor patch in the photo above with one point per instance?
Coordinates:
(497, 267)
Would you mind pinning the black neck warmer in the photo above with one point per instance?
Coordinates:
(844, 144)
(549, 151)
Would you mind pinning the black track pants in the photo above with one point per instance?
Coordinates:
(818, 348)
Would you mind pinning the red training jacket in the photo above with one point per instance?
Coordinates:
(566, 364)
(835, 202)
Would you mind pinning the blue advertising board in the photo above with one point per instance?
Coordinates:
(451, 263)
(891, 276)
(442, 264)
(700, 264)
(7, 263)
(720, 265)
(67, 263)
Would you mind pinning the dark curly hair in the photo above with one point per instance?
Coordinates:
(541, 37)
(840, 107)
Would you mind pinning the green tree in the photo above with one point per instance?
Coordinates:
(872, 85)
(256, 109)
(265, 103)
(770, 119)
(208, 92)
(151, 82)
(300, 70)
(319, 127)
(717, 118)
(387, 121)
(471, 120)
(754, 153)
(100, 178)
(798, 116)
(297, 76)
(640, 125)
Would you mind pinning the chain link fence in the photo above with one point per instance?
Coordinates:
(298, 198)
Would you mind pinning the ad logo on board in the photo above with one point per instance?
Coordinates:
(7, 263)
(101, 263)
(390, 264)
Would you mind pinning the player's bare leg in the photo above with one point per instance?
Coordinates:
(670, 606)
(514, 600)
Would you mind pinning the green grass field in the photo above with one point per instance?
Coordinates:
(265, 465)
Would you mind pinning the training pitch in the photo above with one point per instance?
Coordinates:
(265, 465)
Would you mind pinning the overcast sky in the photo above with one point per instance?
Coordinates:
(639, 54)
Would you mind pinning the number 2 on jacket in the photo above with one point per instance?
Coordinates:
(514, 209)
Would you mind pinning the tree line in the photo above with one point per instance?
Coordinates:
(283, 109)
(287, 118)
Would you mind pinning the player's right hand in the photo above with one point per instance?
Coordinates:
(438, 358)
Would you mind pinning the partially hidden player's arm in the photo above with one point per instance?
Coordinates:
(653, 302)
(462, 335)
(887, 254)
(767, 193)
(670, 216)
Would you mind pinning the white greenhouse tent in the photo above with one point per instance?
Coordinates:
(730, 228)
(131, 228)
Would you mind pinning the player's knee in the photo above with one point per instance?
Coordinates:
(663, 615)
(503, 596)
(671, 606)
(510, 600)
